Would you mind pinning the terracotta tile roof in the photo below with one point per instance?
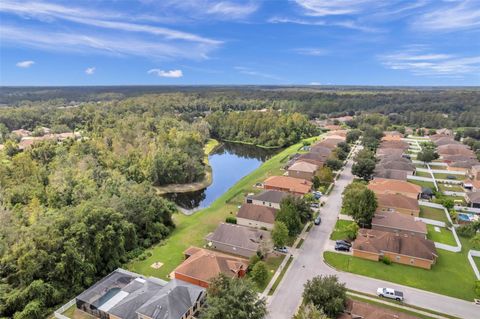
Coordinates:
(204, 264)
(295, 185)
(302, 166)
(393, 186)
(400, 222)
(256, 212)
(397, 201)
(377, 241)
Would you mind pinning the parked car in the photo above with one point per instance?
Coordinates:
(390, 293)
(314, 205)
(342, 247)
(282, 249)
(451, 177)
(343, 242)
(317, 221)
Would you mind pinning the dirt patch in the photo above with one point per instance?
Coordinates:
(157, 265)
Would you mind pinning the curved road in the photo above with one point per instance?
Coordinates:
(309, 263)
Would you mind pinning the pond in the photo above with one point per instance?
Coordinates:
(230, 162)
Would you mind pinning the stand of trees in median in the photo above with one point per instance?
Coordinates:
(271, 128)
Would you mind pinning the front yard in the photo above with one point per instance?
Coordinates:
(340, 230)
(423, 174)
(433, 213)
(451, 275)
(444, 236)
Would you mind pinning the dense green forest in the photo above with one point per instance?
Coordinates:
(269, 128)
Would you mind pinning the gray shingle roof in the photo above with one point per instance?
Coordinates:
(271, 196)
(239, 236)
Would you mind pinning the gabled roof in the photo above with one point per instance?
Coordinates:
(474, 197)
(446, 141)
(377, 241)
(172, 301)
(393, 186)
(257, 212)
(204, 264)
(329, 143)
(400, 222)
(464, 164)
(302, 166)
(394, 144)
(396, 165)
(397, 201)
(296, 185)
(314, 156)
(454, 149)
(271, 196)
(382, 152)
(458, 158)
(238, 236)
(321, 150)
(394, 158)
(390, 174)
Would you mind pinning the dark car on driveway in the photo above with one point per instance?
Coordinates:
(342, 247)
(343, 242)
(317, 221)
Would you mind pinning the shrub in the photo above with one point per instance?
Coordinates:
(231, 220)
(385, 260)
(253, 260)
(351, 231)
(477, 288)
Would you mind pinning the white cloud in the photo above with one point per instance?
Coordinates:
(90, 70)
(25, 64)
(348, 24)
(461, 16)
(106, 44)
(232, 10)
(166, 74)
(311, 51)
(329, 7)
(220, 10)
(431, 64)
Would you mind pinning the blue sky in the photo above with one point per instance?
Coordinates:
(328, 42)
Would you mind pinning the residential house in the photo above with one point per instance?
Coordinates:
(268, 198)
(288, 184)
(403, 249)
(471, 185)
(330, 143)
(304, 170)
(239, 240)
(457, 158)
(126, 295)
(445, 131)
(474, 172)
(257, 216)
(322, 151)
(473, 199)
(462, 166)
(394, 144)
(384, 152)
(342, 133)
(454, 149)
(397, 203)
(201, 265)
(392, 186)
(400, 224)
(397, 165)
(380, 172)
(392, 136)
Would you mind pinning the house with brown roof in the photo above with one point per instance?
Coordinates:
(384, 152)
(397, 165)
(399, 224)
(380, 172)
(403, 249)
(239, 240)
(394, 144)
(397, 203)
(330, 143)
(318, 159)
(474, 172)
(304, 170)
(462, 166)
(201, 265)
(457, 158)
(392, 186)
(342, 133)
(471, 185)
(321, 150)
(268, 198)
(454, 149)
(251, 215)
(473, 199)
(392, 136)
(288, 184)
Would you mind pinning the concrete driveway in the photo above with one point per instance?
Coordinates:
(309, 263)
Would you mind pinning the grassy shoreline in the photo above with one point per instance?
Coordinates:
(191, 230)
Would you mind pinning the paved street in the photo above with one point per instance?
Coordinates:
(309, 263)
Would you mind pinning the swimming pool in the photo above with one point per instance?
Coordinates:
(465, 217)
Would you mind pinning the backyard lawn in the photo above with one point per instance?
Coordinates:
(339, 232)
(420, 165)
(422, 184)
(477, 262)
(445, 236)
(453, 177)
(423, 174)
(452, 274)
(450, 187)
(433, 213)
(191, 230)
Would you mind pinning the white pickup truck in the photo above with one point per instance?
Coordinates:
(390, 293)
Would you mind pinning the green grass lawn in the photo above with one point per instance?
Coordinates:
(445, 236)
(423, 174)
(421, 166)
(457, 198)
(422, 184)
(433, 213)
(451, 275)
(272, 265)
(450, 187)
(477, 262)
(191, 230)
(339, 232)
(444, 176)
(74, 313)
(280, 277)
